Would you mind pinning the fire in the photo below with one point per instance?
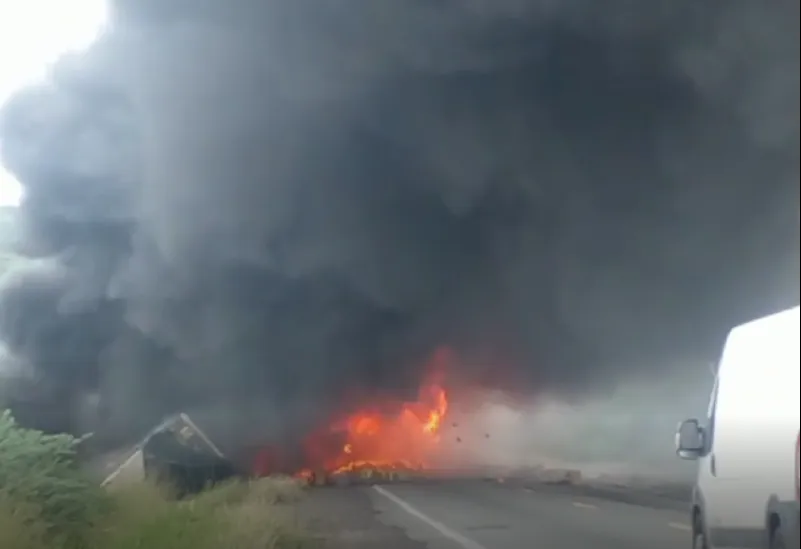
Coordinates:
(402, 439)
(383, 434)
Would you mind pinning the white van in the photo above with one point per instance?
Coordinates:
(746, 491)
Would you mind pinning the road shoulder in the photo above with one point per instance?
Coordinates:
(346, 518)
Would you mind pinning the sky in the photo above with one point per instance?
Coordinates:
(33, 34)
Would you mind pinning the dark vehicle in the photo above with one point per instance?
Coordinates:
(177, 453)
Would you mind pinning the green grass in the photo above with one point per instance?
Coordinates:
(242, 515)
(47, 503)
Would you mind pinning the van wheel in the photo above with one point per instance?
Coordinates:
(699, 537)
(777, 540)
(699, 541)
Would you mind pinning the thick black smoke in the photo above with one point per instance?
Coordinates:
(274, 202)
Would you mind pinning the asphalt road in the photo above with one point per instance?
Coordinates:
(486, 515)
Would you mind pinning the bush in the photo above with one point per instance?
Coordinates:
(40, 474)
(46, 501)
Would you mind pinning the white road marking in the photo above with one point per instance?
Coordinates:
(584, 505)
(680, 526)
(445, 531)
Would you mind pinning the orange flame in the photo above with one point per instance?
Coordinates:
(384, 435)
(406, 437)
(402, 440)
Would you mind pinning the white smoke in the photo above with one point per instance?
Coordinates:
(626, 433)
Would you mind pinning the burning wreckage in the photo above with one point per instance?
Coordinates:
(178, 452)
(393, 440)
(387, 440)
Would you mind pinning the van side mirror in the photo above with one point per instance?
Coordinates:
(690, 439)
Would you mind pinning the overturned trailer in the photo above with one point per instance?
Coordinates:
(176, 452)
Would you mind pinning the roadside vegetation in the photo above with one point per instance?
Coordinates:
(47, 502)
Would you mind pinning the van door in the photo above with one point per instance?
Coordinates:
(734, 512)
(754, 415)
(708, 489)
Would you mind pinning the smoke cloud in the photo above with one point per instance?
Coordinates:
(277, 202)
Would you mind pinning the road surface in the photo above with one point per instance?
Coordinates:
(487, 515)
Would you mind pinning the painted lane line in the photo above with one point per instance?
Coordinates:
(680, 526)
(443, 530)
(584, 505)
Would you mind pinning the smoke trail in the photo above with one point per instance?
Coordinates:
(278, 202)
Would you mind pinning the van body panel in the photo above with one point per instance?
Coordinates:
(751, 431)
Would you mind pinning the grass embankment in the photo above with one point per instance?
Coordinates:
(46, 502)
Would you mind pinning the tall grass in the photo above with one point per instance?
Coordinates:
(50, 505)
(21, 527)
